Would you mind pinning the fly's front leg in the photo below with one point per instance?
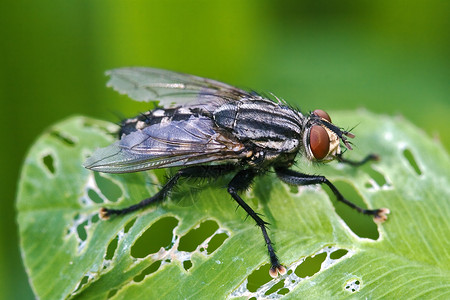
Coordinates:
(241, 182)
(370, 157)
(296, 178)
(190, 172)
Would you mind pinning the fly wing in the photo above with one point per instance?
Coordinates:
(169, 88)
(162, 145)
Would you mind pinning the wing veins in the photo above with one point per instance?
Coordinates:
(149, 84)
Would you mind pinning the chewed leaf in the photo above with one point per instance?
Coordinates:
(208, 249)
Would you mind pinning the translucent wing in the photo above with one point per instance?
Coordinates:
(149, 84)
(162, 145)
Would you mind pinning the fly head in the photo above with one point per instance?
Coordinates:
(322, 139)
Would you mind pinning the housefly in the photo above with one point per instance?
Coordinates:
(209, 129)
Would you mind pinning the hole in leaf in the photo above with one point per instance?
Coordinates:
(63, 138)
(338, 254)
(129, 225)
(353, 286)
(83, 281)
(195, 237)
(283, 291)
(112, 293)
(275, 288)
(81, 230)
(112, 246)
(108, 188)
(310, 266)
(216, 241)
(160, 234)
(147, 271)
(412, 161)
(376, 176)
(49, 163)
(95, 218)
(258, 278)
(94, 196)
(187, 264)
(360, 224)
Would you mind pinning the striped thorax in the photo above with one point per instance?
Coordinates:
(263, 123)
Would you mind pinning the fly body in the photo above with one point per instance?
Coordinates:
(201, 121)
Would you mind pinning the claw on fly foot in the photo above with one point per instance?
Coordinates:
(103, 213)
(381, 215)
(274, 270)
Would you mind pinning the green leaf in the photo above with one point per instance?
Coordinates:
(197, 245)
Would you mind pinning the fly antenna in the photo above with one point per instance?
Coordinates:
(346, 142)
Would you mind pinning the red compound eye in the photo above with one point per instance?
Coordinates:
(322, 114)
(319, 142)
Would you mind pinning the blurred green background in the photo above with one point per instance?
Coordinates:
(387, 56)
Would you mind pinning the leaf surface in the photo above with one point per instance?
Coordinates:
(198, 245)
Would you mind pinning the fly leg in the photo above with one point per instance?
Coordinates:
(190, 172)
(241, 182)
(370, 157)
(296, 178)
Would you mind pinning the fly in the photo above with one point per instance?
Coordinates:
(201, 121)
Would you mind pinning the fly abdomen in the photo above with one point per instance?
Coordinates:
(156, 116)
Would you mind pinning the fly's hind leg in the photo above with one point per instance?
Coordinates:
(296, 178)
(190, 172)
(241, 182)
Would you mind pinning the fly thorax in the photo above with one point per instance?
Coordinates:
(262, 123)
(225, 116)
